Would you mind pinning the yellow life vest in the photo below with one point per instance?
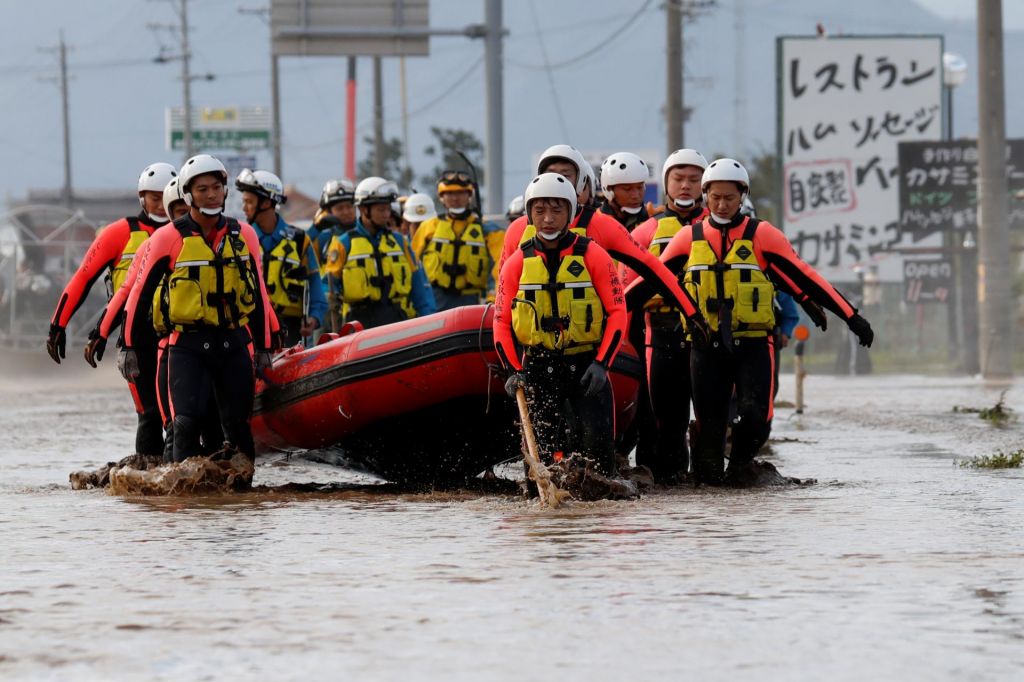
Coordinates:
(284, 274)
(372, 274)
(558, 310)
(668, 227)
(735, 288)
(207, 288)
(118, 273)
(457, 262)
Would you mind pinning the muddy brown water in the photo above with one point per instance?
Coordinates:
(896, 565)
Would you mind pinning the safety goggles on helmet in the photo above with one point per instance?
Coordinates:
(261, 183)
(454, 181)
(335, 192)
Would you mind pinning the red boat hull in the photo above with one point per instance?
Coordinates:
(419, 400)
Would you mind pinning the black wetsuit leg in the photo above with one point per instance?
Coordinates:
(712, 379)
(755, 379)
(668, 360)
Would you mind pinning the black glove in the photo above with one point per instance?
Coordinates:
(262, 360)
(861, 329)
(594, 379)
(514, 382)
(700, 331)
(94, 349)
(56, 342)
(815, 312)
(128, 364)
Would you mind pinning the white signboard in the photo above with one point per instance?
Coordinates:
(844, 105)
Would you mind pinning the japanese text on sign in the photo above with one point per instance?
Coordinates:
(845, 105)
(938, 185)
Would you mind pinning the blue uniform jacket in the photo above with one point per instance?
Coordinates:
(317, 299)
(422, 295)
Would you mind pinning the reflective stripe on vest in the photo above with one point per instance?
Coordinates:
(136, 237)
(284, 274)
(745, 293)
(457, 262)
(207, 288)
(668, 227)
(373, 274)
(557, 311)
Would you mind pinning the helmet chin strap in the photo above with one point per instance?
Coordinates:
(456, 212)
(632, 210)
(211, 211)
(684, 203)
(158, 219)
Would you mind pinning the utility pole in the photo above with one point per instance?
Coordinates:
(186, 78)
(495, 149)
(275, 113)
(995, 280)
(350, 121)
(378, 119)
(181, 29)
(62, 52)
(675, 125)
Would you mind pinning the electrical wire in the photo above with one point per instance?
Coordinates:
(598, 46)
(550, 73)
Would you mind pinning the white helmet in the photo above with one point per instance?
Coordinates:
(550, 186)
(201, 164)
(591, 178)
(725, 170)
(622, 168)
(172, 195)
(682, 157)
(568, 153)
(419, 207)
(154, 178)
(261, 183)
(516, 207)
(375, 190)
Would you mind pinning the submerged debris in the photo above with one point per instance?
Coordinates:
(1000, 460)
(761, 474)
(225, 471)
(999, 414)
(100, 478)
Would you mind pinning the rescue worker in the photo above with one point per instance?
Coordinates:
(213, 300)
(212, 436)
(337, 215)
(559, 296)
(623, 181)
(607, 232)
(289, 258)
(380, 280)
(418, 208)
(459, 253)
(733, 264)
(516, 208)
(174, 205)
(667, 349)
(113, 251)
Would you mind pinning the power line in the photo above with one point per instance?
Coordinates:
(598, 46)
(549, 71)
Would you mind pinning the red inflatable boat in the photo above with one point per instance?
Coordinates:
(416, 401)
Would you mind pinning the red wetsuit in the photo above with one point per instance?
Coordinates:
(775, 255)
(606, 282)
(103, 254)
(611, 236)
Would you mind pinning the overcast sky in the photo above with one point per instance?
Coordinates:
(611, 100)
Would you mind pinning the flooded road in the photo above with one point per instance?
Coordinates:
(896, 564)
